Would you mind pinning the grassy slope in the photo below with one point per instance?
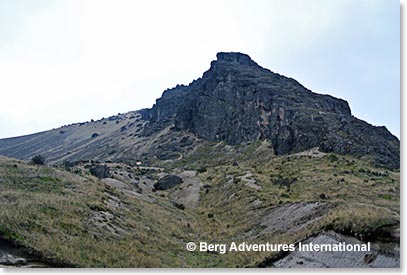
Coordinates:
(51, 211)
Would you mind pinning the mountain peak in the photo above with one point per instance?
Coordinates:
(238, 101)
(235, 57)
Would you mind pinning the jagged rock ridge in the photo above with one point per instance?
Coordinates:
(238, 101)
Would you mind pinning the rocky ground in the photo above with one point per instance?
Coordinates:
(11, 256)
(383, 255)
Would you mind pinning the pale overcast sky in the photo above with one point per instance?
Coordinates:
(65, 61)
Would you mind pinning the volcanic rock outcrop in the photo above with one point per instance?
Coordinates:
(238, 101)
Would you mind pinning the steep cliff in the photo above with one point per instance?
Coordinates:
(237, 101)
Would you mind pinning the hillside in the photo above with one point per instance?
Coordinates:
(122, 222)
(241, 154)
(236, 101)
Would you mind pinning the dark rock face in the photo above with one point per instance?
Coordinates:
(100, 171)
(167, 106)
(237, 101)
(167, 182)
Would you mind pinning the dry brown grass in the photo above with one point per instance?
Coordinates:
(50, 211)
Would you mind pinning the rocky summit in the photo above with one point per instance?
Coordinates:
(238, 101)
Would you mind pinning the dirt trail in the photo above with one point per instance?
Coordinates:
(188, 194)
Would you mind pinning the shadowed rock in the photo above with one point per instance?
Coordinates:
(167, 182)
(100, 171)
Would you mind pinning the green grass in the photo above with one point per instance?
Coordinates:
(56, 213)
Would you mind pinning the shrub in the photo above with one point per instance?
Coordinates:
(283, 181)
(67, 165)
(201, 170)
(333, 158)
(38, 159)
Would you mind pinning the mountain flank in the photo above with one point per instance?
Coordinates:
(236, 101)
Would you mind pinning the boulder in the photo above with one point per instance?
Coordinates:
(168, 182)
(11, 260)
(100, 171)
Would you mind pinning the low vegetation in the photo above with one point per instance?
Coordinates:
(38, 159)
(78, 220)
